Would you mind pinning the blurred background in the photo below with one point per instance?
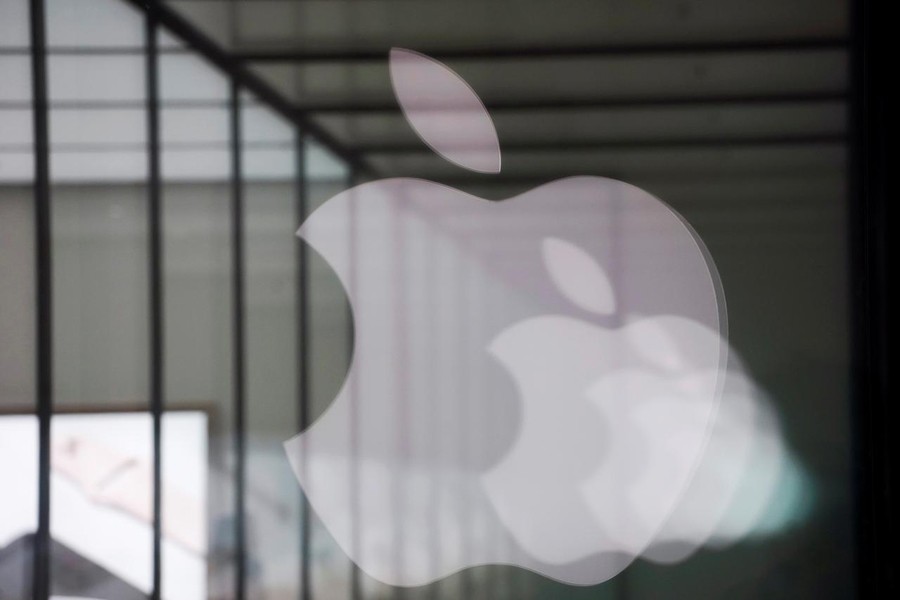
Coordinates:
(735, 113)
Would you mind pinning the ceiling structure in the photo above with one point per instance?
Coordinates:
(689, 99)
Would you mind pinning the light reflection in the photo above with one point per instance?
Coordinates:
(101, 510)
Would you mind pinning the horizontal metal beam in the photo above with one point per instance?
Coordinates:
(534, 104)
(707, 178)
(415, 148)
(141, 146)
(812, 174)
(140, 105)
(551, 104)
(530, 52)
(179, 27)
(92, 51)
(633, 144)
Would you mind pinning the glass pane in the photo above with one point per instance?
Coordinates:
(269, 164)
(18, 522)
(100, 296)
(199, 329)
(16, 125)
(329, 346)
(206, 126)
(93, 24)
(198, 365)
(101, 364)
(96, 78)
(189, 77)
(18, 424)
(273, 497)
(16, 166)
(185, 502)
(15, 73)
(748, 144)
(75, 129)
(323, 166)
(14, 24)
(180, 164)
(17, 298)
(101, 480)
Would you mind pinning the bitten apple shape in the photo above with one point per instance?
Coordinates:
(533, 380)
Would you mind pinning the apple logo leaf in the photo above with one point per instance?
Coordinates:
(578, 276)
(444, 111)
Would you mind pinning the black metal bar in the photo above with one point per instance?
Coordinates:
(88, 409)
(524, 104)
(238, 367)
(558, 104)
(413, 148)
(530, 52)
(120, 104)
(356, 591)
(871, 223)
(94, 50)
(532, 178)
(303, 387)
(154, 220)
(44, 295)
(137, 147)
(203, 45)
(649, 144)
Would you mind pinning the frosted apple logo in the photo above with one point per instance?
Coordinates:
(534, 381)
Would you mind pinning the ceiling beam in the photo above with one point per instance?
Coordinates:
(551, 104)
(247, 80)
(530, 52)
(702, 143)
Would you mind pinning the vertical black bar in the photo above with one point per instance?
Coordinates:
(356, 592)
(303, 386)
(154, 218)
(872, 127)
(43, 292)
(237, 269)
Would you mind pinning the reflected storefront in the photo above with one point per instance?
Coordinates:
(616, 364)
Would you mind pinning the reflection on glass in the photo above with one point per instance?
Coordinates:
(101, 473)
(14, 24)
(18, 520)
(92, 24)
(198, 367)
(772, 215)
(270, 194)
(15, 72)
(199, 321)
(18, 425)
(17, 318)
(329, 343)
(100, 314)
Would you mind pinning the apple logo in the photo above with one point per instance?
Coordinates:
(538, 381)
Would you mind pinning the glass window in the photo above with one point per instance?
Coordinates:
(733, 115)
(270, 198)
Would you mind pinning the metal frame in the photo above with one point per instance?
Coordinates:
(239, 319)
(356, 583)
(157, 16)
(155, 274)
(303, 387)
(871, 222)
(633, 144)
(494, 106)
(246, 79)
(43, 293)
(602, 103)
(305, 55)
